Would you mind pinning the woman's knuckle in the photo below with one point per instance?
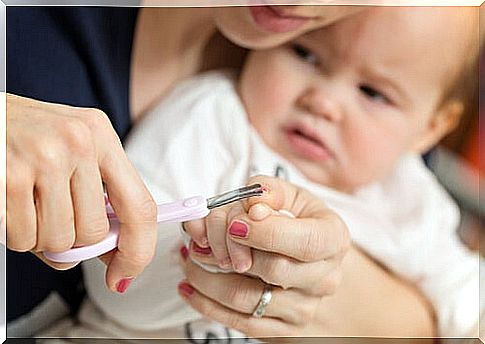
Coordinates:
(48, 157)
(141, 258)
(311, 249)
(331, 283)
(306, 311)
(96, 119)
(237, 294)
(94, 231)
(60, 244)
(147, 209)
(279, 272)
(77, 138)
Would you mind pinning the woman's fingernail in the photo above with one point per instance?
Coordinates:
(184, 252)
(239, 229)
(185, 289)
(123, 284)
(201, 250)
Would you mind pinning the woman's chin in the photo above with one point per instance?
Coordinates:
(236, 24)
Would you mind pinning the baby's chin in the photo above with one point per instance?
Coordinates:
(322, 176)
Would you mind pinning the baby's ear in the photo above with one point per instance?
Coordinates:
(444, 121)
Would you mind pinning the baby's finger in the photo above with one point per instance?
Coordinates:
(197, 231)
(216, 224)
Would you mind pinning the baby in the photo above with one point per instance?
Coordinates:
(346, 112)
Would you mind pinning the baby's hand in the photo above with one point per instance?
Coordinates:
(212, 245)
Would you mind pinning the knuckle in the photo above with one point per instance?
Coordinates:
(333, 282)
(141, 258)
(239, 294)
(60, 244)
(312, 246)
(279, 272)
(147, 209)
(306, 312)
(93, 232)
(329, 285)
(77, 138)
(48, 156)
(96, 119)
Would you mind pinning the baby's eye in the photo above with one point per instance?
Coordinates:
(373, 94)
(304, 54)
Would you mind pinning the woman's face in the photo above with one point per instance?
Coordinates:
(258, 27)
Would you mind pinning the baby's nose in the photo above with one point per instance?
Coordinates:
(320, 103)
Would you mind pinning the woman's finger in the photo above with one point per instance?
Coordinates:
(21, 213)
(305, 239)
(317, 278)
(55, 216)
(240, 255)
(89, 206)
(133, 204)
(244, 323)
(242, 294)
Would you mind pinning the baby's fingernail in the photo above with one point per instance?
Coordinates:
(204, 242)
(184, 252)
(123, 284)
(242, 267)
(225, 263)
(239, 229)
(201, 250)
(185, 289)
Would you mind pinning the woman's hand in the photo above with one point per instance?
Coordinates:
(301, 257)
(58, 158)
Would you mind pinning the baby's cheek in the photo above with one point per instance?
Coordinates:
(370, 157)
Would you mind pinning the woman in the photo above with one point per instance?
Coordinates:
(119, 60)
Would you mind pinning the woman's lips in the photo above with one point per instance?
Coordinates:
(269, 19)
(307, 144)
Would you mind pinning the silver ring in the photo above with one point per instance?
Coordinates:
(264, 301)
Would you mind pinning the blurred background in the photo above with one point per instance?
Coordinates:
(459, 165)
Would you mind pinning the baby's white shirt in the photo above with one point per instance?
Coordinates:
(198, 142)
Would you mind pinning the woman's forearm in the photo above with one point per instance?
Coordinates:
(373, 302)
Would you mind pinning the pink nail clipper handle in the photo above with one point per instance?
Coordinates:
(185, 210)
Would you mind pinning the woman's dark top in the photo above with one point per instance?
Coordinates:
(78, 56)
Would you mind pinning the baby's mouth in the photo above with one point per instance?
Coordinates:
(307, 143)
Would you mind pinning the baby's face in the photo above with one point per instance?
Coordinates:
(343, 103)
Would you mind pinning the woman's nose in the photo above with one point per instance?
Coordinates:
(319, 103)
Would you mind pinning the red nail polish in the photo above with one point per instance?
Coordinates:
(264, 189)
(201, 250)
(124, 284)
(239, 229)
(185, 289)
(184, 252)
